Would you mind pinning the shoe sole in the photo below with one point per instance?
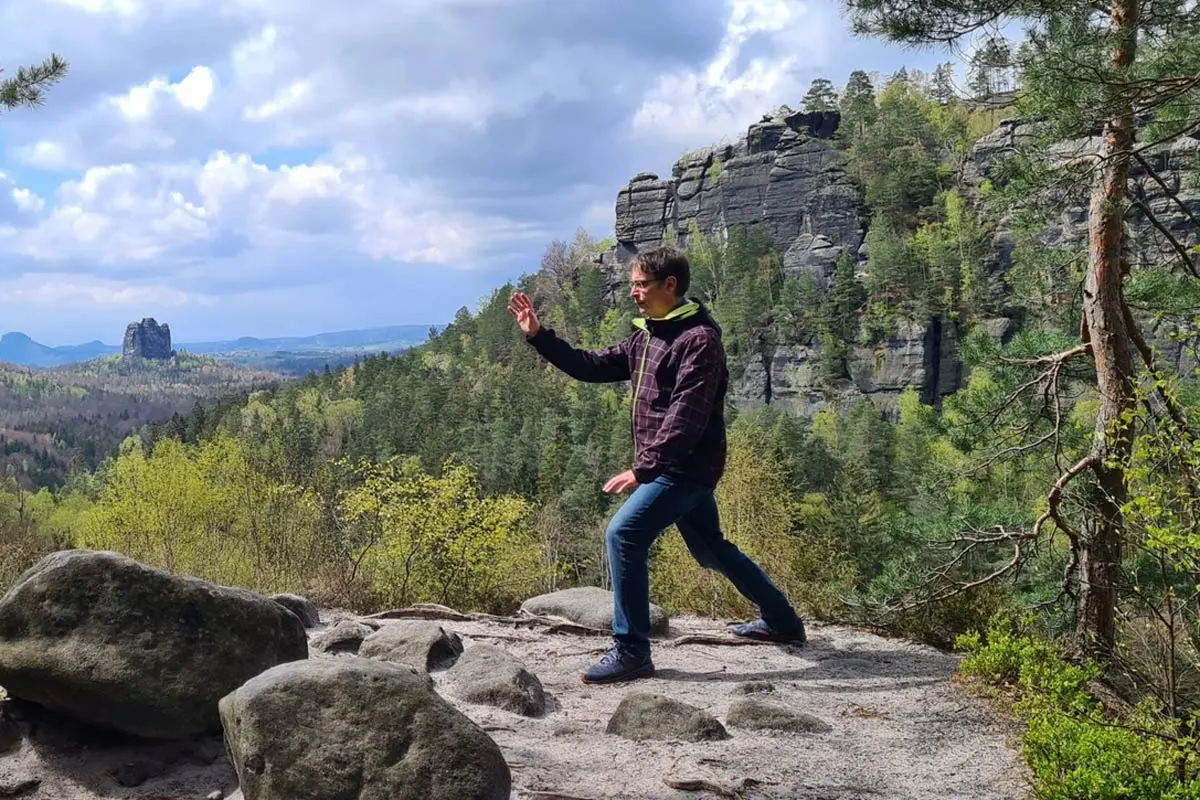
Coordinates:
(772, 639)
(633, 676)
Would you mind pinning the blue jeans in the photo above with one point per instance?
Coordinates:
(692, 508)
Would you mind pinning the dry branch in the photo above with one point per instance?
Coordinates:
(700, 783)
(712, 638)
(435, 611)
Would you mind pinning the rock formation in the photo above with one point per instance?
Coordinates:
(124, 647)
(785, 175)
(842, 716)
(147, 339)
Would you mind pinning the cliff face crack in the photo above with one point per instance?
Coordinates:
(933, 362)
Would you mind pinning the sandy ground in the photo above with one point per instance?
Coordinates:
(900, 729)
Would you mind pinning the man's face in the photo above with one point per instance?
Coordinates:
(654, 298)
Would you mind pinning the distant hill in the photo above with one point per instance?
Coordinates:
(288, 354)
(74, 416)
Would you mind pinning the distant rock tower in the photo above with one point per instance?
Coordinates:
(147, 339)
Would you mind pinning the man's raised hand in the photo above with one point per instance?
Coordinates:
(521, 308)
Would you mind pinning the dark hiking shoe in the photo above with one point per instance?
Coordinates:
(765, 633)
(618, 665)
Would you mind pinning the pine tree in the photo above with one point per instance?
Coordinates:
(858, 103)
(1081, 69)
(821, 96)
(941, 87)
(990, 67)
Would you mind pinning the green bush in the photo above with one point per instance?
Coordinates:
(1074, 750)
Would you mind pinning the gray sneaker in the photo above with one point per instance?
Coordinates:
(763, 632)
(618, 665)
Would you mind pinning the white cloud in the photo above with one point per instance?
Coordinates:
(123, 214)
(27, 201)
(227, 147)
(287, 98)
(44, 155)
(61, 292)
(120, 7)
(769, 49)
(192, 93)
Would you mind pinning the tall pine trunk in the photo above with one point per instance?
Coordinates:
(1104, 317)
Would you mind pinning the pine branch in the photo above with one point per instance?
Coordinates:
(28, 87)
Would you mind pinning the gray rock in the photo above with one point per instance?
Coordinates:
(356, 728)
(147, 339)
(487, 675)
(122, 646)
(590, 606)
(419, 643)
(345, 637)
(756, 714)
(652, 716)
(302, 607)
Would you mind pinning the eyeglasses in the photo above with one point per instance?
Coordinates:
(644, 284)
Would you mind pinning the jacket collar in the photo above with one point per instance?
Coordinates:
(685, 310)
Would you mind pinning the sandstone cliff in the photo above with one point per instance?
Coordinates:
(147, 339)
(786, 175)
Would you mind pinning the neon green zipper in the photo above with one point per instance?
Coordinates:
(679, 312)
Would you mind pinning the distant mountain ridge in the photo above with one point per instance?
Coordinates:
(19, 348)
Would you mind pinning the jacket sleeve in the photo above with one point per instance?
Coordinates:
(697, 385)
(608, 365)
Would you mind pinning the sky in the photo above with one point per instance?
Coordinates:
(286, 167)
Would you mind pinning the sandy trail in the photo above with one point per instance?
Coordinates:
(900, 729)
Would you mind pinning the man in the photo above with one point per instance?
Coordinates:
(676, 364)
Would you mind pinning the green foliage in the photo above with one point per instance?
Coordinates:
(1074, 751)
(437, 539)
(28, 87)
(205, 510)
(821, 96)
(767, 521)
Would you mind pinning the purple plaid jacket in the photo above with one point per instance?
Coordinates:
(676, 365)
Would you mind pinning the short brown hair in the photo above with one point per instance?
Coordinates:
(661, 263)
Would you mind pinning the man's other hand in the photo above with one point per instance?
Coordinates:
(521, 308)
(619, 484)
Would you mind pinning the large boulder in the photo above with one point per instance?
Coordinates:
(356, 728)
(590, 606)
(120, 645)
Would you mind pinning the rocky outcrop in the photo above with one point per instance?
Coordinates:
(341, 725)
(147, 339)
(121, 646)
(783, 174)
(786, 176)
(1167, 184)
